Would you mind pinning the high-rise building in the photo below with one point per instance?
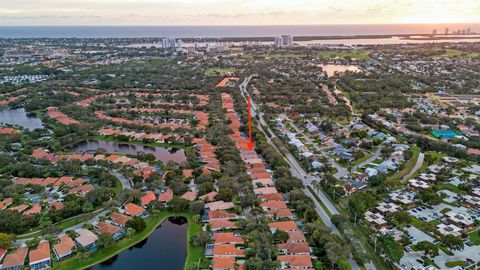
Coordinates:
(434, 32)
(468, 31)
(446, 31)
(171, 43)
(278, 41)
(287, 40)
(179, 43)
(464, 32)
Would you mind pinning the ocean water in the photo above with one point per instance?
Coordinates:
(224, 31)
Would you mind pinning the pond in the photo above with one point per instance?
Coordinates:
(164, 249)
(161, 153)
(331, 69)
(21, 118)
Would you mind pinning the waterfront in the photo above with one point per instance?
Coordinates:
(165, 248)
(21, 118)
(161, 153)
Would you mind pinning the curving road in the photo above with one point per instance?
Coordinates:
(418, 165)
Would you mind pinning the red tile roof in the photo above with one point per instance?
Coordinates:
(166, 196)
(42, 252)
(16, 258)
(133, 209)
(148, 198)
(64, 245)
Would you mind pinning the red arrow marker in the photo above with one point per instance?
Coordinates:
(250, 144)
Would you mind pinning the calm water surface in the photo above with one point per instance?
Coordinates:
(164, 249)
(21, 118)
(161, 153)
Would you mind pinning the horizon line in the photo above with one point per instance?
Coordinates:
(235, 25)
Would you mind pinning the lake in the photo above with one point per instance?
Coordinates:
(21, 118)
(161, 153)
(331, 69)
(164, 249)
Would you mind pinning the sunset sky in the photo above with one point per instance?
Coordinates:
(235, 12)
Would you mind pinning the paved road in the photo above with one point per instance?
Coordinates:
(370, 159)
(297, 170)
(418, 165)
(126, 184)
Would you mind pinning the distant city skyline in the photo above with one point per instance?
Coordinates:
(235, 12)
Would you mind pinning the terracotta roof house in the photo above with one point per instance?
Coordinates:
(3, 252)
(294, 248)
(188, 173)
(221, 214)
(273, 205)
(265, 190)
(63, 180)
(296, 237)
(49, 181)
(39, 258)
(223, 263)
(219, 205)
(280, 214)
(166, 196)
(190, 195)
(120, 219)
(104, 227)
(36, 208)
(222, 224)
(81, 190)
(209, 196)
(286, 226)
(64, 247)
(147, 198)
(6, 203)
(227, 250)
(20, 208)
(56, 206)
(135, 210)
(86, 239)
(15, 260)
(295, 261)
(228, 238)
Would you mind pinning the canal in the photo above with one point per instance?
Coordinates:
(161, 153)
(164, 249)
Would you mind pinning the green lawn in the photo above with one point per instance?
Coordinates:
(456, 263)
(451, 53)
(450, 187)
(76, 262)
(220, 71)
(475, 237)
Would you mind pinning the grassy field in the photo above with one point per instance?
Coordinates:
(220, 71)
(451, 53)
(456, 263)
(475, 237)
(76, 262)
